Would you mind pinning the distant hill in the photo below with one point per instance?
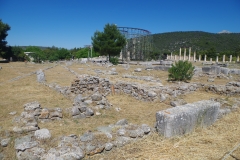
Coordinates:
(197, 40)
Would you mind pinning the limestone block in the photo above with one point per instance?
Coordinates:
(75, 111)
(121, 141)
(146, 129)
(136, 133)
(183, 119)
(178, 102)
(55, 114)
(31, 106)
(5, 142)
(235, 71)
(87, 137)
(40, 76)
(215, 69)
(122, 122)
(121, 132)
(78, 99)
(152, 94)
(42, 134)
(210, 80)
(26, 145)
(80, 116)
(138, 70)
(96, 97)
(89, 112)
(224, 70)
(108, 146)
(206, 69)
(197, 70)
(79, 154)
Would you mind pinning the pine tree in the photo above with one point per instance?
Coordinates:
(109, 42)
(181, 71)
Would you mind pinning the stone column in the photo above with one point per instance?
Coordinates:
(217, 59)
(180, 54)
(194, 56)
(189, 56)
(120, 55)
(199, 58)
(185, 51)
(223, 58)
(210, 59)
(171, 56)
(184, 56)
(205, 58)
(237, 58)
(128, 56)
(230, 58)
(175, 57)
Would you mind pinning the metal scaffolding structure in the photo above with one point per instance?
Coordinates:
(139, 44)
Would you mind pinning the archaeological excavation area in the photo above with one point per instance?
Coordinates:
(84, 110)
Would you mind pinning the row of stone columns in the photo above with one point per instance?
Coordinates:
(194, 56)
(175, 57)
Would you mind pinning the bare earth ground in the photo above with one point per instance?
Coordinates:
(209, 143)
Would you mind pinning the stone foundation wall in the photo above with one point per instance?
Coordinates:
(90, 85)
(217, 70)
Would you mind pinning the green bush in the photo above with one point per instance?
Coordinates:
(114, 60)
(181, 71)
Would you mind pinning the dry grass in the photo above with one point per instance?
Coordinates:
(13, 70)
(210, 143)
(59, 75)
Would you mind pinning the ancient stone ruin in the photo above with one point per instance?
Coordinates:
(88, 94)
(72, 146)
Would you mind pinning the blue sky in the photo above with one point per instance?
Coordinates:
(71, 23)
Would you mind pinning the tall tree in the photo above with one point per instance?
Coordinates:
(3, 34)
(18, 54)
(109, 42)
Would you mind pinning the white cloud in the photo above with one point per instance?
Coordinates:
(224, 31)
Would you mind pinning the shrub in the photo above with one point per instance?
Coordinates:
(181, 71)
(114, 61)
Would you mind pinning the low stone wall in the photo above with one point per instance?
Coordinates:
(230, 89)
(104, 138)
(217, 70)
(89, 85)
(33, 113)
(162, 67)
(184, 119)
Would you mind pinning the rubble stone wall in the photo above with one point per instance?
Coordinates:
(90, 84)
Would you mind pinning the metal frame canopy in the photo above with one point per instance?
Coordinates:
(139, 44)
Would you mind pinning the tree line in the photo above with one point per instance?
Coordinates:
(109, 43)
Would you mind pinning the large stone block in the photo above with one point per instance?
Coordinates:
(224, 70)
(215, 69)
(206, 69)
(184, 119)
(163, 68)
(40, 76)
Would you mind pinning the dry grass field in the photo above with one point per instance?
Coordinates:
(209, 143)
